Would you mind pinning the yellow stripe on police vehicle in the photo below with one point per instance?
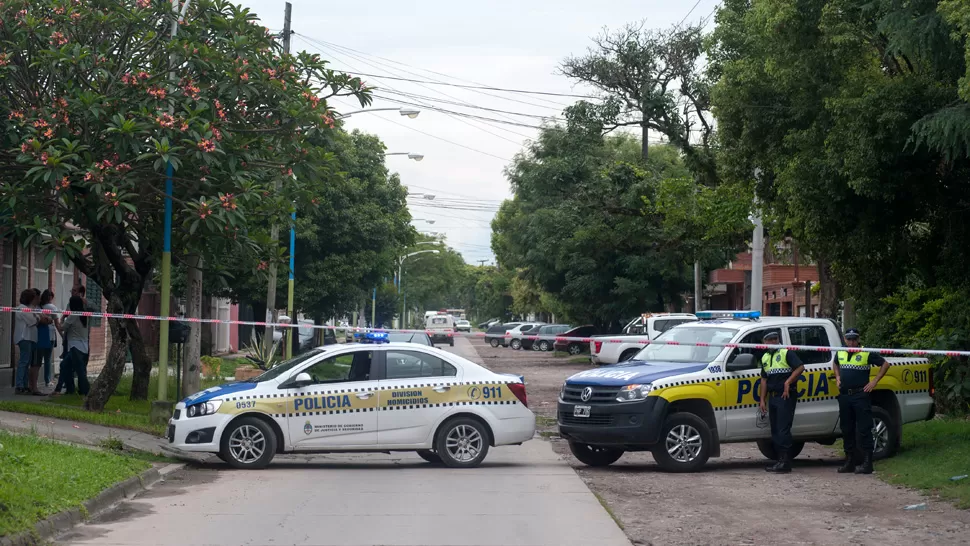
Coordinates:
(370, 396)
(682, 401)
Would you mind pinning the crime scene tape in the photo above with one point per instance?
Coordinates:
(602, 339)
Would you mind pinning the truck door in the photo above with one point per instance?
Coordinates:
(817, 410)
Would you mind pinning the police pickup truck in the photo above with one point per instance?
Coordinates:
(371, 396)
(682, 401)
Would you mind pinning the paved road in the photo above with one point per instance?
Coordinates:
(521, 495)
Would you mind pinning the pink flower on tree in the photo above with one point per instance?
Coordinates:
(58, 39)
(166, 120)
(207, 145)
(144, 4)
(157, 92)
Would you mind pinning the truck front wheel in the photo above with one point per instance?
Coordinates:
(595, 455)
(685, 443)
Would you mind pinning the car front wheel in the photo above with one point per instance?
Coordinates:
(685, 443)
(462, 443)
(493, 343)
(574, 349)
(248, 443)
(516, 344)
(544, 346)
(595, 455)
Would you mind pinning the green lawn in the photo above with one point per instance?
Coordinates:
(932, 452)
(119, 412)
(39, 478)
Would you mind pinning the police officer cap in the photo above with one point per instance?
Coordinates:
(852, 333)
(771, 335)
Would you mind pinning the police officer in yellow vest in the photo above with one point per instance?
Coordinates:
(780, 370)
(855, 405)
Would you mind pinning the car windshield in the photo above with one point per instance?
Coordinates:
(687, 353)
(288, 365)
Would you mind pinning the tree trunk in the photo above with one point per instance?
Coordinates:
(191, 378)
(140, 362)
(106, 383)
(259, 315)
(830, 290)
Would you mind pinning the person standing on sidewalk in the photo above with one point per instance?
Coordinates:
(780, 369)
(852, 371)
(47, 335)
(25, 337)
(76, 339)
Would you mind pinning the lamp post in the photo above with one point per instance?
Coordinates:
(411, 155)
(428, 196)
(406, 112)
(400, 276)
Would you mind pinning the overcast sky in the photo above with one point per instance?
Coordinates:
(502, 43)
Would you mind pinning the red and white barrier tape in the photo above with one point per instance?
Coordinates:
(506, 335)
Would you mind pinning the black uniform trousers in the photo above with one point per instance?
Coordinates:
(855, 418)
(781, 415)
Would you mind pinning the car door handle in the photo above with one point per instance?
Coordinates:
(442, 388)
(364, 395)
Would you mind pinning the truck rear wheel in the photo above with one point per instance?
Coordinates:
(595, 455)
(685, 443)
(628, 354)
(767, 448)
(885, 434)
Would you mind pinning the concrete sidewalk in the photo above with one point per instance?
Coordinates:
(89, 434)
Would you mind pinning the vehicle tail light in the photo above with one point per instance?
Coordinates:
(597, 346)
(518, 389)
(932, 388)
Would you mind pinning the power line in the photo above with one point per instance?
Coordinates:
(463, 114)
(477, 85)
(475, 106)
(688, 13)
(506, 90)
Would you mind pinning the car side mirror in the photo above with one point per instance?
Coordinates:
(742, 362)
(301, 380)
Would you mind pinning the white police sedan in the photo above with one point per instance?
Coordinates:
(373, 396)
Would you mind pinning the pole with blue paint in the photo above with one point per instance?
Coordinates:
(373, 309)
(289, 290)
(166, 288)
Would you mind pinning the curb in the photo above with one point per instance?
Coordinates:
(66, 520)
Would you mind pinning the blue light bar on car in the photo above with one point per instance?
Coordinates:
(727, 314)
(372, 337)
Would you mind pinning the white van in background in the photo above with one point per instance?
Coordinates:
(441, 327)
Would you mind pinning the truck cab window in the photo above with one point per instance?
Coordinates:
(755, 337)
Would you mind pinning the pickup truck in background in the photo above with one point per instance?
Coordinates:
(605, 350)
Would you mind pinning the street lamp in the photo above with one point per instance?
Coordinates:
(428, 196)
(406, 112)
(413, 156)
(400, 278)
(422, 220)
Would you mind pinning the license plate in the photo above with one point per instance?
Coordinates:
(581, 411)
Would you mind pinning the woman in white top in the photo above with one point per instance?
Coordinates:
(75, 331)
(25, 336)
(44, 350)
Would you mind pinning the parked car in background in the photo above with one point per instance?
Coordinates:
(514, 338)
(548, 331)
(639, 330)
(495, 335)
(463, 326)
(488, 324)
(575, 347)
(421, 338)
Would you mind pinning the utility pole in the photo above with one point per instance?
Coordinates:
(275, 229)
(757, 263)
(698, 300)
(481, 263)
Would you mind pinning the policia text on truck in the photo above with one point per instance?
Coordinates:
(682, 399)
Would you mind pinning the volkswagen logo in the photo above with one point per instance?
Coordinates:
(587, 394)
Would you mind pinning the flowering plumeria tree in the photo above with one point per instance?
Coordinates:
(98, 99)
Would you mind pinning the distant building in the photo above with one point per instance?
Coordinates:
(784, 284)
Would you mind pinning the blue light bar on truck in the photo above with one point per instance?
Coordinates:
(753, 315)
(372, 337)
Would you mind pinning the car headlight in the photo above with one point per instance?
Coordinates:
(562, 392)
(205, 408)
(634, 392)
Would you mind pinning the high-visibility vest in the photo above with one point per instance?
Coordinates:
(776, 362)
(853, 361)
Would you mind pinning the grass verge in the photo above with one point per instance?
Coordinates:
(609, 511)
(932, 452)
(39, 478)
(119, 412)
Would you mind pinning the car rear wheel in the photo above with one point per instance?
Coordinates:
(451, 341)
(429, 456)
(545, 346)
(595, 455)
(516, 344)
(767, 448)
(248, 443)
(493, 343)
(574, 348)
(462, 443)
(685, 443)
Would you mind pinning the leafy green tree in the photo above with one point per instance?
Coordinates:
(92, 118)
